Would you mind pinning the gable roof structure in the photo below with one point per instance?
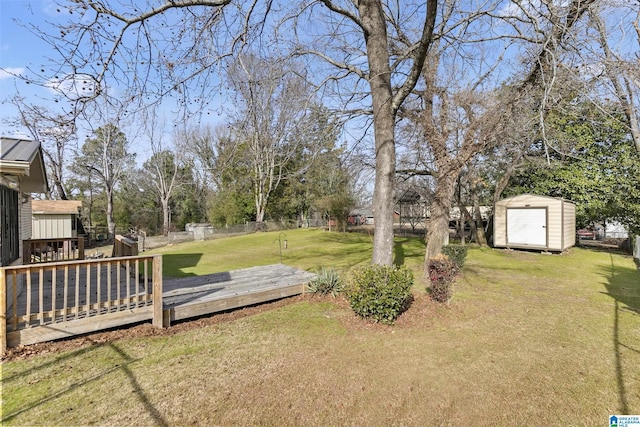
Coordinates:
(409, 196)
(23, 159)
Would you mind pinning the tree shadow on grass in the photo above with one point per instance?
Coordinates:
(122, 364)
(137, 388)
(623, 285)
(173, 265)
(398, 253)
(407, 248)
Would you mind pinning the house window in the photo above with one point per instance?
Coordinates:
(9, 238)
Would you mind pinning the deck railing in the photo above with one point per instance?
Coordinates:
(123, 246)
(52, 250)
(51, 293)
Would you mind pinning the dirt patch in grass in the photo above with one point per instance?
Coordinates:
(422, 311)
(141, 330)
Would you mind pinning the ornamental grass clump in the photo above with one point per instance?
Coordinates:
(379, 292)
(328, 281)
(442, 274)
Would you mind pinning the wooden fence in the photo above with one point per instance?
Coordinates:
(40, 302)
(52, 250)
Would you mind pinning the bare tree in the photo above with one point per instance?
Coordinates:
(621, 71)
(106, 157)
(375, 52)
(271, 101)
(465, 101)
(55, 133)
(139, 53)
(162, 168)
(383, 45)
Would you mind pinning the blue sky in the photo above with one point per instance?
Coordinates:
(20, 49)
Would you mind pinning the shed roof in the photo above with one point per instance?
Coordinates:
(409, 196)
(525, 195)
(23, 158)
(55, 206)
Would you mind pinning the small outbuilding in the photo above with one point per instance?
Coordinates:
(55, 219)
(530, 221)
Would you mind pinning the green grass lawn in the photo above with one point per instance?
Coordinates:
(306, 249)
(529, 339)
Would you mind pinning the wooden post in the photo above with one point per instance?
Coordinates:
(80, 247)
(3, 312)
(157, 291)
(26, 252)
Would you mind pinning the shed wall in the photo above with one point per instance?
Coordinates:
(569, 228)
(52, 226)
(560, 221)
(555, 224)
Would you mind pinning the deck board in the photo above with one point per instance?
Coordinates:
(197, 296)
(183, 298)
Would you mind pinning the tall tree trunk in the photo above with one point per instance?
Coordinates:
(465, 216)
(111, 225)
(481, 237)
(622, 89)
(438, 231)
(166, 218)
(464, 213)
(259, 198)
(384, 129)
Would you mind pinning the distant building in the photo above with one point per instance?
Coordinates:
(55, 219)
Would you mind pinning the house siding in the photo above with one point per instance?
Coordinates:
(25, 222)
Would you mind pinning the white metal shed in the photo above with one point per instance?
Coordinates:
(530, 221)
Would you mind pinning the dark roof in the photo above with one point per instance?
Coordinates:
(409, 196)
(23, 158)
(18, 150)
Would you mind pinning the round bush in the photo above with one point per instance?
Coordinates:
(379, 292)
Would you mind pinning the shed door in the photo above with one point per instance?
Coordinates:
(527, 227)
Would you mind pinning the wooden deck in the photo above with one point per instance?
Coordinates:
(84, 307)
(188, 297)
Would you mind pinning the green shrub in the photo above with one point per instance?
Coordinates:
(442, 273)
(456, 254)
(379, 292)
(328, 281)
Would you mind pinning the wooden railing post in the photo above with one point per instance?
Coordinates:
(3, 312)
(26, 252)
(157, 292)
(80, 247)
